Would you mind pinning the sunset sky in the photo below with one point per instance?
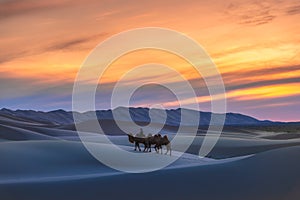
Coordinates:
(254, 44)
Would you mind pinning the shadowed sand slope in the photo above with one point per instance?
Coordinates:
(20, 134)
(269, 175)
(43, 161)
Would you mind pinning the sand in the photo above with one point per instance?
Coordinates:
(40, 161)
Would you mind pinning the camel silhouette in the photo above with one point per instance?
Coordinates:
(157, 140)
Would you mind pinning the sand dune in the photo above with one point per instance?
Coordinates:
(63, 160)
(15, 133)
(47, 161)
(270, 175)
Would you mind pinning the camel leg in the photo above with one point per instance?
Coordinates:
(168, 149)
(156, 148)
(138, 146)
(167, 152)
(146, 147)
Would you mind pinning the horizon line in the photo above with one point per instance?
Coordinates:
(132, 107)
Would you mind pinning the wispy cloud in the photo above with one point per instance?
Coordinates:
(251, 13)
(258, 12)
(9, 56)
(263, 83)
(241, 74)
(70, 44)
(238, 80)
(9, 8)
(65, 45)
(293, 9)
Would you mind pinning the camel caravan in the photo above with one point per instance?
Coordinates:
(157, 140)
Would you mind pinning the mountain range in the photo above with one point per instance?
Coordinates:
(173, 116)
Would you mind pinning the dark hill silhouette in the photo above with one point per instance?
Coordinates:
(139, 115)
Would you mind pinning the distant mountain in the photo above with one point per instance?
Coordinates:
(173, 116)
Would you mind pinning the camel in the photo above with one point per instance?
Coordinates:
(137, 141)
(156, 140)
(153, 140)
(164, 141)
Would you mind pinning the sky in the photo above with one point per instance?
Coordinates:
(254, 44)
